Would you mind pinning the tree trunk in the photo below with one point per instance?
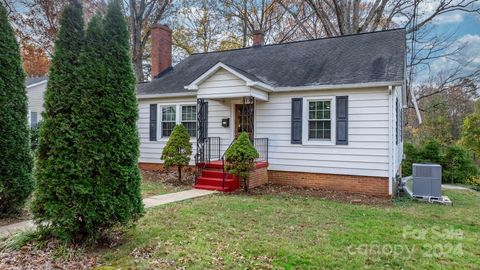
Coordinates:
(179, 173)
(245, 184)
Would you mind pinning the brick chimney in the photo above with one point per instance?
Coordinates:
(161, 56)
(258, 38)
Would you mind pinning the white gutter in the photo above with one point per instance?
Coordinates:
(182, 94)
(335, 86)
(36, 84)
(390, 141)
(415, 105)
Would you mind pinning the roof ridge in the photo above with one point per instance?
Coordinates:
(305, 40)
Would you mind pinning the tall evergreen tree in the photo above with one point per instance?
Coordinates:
(123, 146)
(108, 142)
(57, 173)
(16, 182)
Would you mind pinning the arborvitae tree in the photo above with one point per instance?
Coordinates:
(16, 182)
(178, 149)
(108, 143)
(57, 173)
(241, 157)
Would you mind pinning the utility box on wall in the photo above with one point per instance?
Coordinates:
(427, 180)
(225, 122)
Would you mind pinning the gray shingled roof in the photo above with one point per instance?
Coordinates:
(361, 58)
(31, 81)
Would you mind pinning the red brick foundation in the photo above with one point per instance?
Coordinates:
(258, 177)
(377, 186)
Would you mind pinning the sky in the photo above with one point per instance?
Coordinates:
(465, 30)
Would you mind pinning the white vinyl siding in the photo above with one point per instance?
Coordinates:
(150, 151)
(398, 148)
(366, 152)
(35, 99)
(367, 149)
(225, 85)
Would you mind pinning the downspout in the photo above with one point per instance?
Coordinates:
(390, 140)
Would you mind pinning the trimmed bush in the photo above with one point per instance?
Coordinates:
(241, 157)
(16, 182)
(178, 149)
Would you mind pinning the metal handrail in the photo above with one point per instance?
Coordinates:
(205, 158)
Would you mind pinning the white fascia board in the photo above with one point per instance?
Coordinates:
(335, 86)
(183, 94)
(194, 85)
(36, 84)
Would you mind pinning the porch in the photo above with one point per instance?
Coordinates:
(210, 156)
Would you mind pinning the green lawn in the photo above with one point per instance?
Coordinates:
(157, 188)
(297, 232)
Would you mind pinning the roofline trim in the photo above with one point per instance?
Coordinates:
(182, 94)
(290, 89)
(207, 74)
(335, 86)
(36, 84)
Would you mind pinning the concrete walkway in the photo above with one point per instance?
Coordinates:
(454, 187)
(148, 202)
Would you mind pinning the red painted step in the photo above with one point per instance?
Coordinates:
(218, 188)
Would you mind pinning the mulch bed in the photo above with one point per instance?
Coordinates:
(272, 189)
(169, 177)
(46, 258)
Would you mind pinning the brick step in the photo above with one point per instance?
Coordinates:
(216, 174)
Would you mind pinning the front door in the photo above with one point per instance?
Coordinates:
(244, 116)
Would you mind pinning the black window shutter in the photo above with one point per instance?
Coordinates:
(342, 120)
(397, 119)
(296, 136)
(153, 122)
(205, 120)
(33, 119)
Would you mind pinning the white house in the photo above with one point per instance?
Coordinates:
(35, 91)
(326, 113)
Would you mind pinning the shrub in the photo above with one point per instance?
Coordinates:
(178, 149)
(241, 157)
(410, 157)
(474, 181)
(430, 152)
(471, 133)
(16, 182)
(458, 165)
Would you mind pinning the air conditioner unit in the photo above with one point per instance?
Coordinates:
(427, 180)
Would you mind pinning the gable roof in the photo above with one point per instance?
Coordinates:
(354, 59)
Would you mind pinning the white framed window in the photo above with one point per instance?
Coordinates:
(170, 115)
(189, 119)
(168, 120)
(319, 120)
